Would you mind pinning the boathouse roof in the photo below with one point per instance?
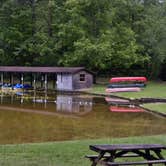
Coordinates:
(22, 69)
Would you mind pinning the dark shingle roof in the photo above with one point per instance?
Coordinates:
(22, 69)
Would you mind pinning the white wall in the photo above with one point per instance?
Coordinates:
(64, 82)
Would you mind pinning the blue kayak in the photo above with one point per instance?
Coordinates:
(139, 85)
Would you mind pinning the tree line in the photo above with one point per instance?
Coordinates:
(115, 37)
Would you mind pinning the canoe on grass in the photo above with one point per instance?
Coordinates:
(128, 79)
(133, 89)
(140, 85)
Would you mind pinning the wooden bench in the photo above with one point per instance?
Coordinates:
(104, 163)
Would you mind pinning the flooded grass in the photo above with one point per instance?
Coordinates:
(59, 117)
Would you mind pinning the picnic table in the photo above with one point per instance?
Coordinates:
(151, 153)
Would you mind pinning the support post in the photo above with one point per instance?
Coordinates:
(42, 79)
(22, 79)
(1, 78)
(34, 82)
(12, 81)
(10, 77)
(31, 80)
(45, 82)
(54, 82)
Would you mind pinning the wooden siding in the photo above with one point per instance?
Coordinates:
(77, 84)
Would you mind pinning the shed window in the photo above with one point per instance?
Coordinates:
(82, 77)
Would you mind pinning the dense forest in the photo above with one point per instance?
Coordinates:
(117, 37)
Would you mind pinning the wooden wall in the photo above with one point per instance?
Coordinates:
(72, 81)
(77, 84)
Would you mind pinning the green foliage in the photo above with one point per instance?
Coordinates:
(122, 37)
(163, 70)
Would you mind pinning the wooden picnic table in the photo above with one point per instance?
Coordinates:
(108, 153)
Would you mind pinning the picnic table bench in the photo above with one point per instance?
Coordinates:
(151, 153)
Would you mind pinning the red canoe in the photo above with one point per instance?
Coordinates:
(123, 79)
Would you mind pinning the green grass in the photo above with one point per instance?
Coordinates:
(153, 90)
(69, 153)
(159, 107)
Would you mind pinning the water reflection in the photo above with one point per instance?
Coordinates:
(125, 109)
(74, 103)
(58, 103)
(37, 117)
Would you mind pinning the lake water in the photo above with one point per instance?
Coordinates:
(39, 117)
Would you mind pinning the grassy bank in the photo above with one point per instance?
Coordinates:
(69, 153)
(159, 107)
(153, 90)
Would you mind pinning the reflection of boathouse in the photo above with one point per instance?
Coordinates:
(73, 103)
(63, 78)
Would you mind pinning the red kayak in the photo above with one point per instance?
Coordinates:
(128, 79)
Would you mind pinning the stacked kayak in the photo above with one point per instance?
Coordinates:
(126, 84)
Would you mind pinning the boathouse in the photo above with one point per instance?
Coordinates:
(63, 78)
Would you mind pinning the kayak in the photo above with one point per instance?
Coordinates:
(128, 79)
(140, 85)
(132, 89)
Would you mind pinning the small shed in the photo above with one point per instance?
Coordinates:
(74, 78)
(67, 78)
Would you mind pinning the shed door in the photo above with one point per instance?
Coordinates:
(64, 82)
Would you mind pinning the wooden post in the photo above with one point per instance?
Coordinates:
(42, 79)
(34, 82)
(2, 78)
(54, 82)
(31, 80)
(45, 82)
(12, 81)
(22, 79)
(10, 78)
